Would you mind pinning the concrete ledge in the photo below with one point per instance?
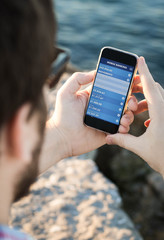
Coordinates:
(73, 200)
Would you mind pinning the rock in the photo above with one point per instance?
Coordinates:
(156, 181)
(73, 200)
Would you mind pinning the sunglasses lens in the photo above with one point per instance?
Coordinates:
(58, 66)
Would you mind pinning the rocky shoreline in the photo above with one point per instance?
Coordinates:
(73, 200)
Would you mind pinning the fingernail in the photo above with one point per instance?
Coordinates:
(142, 59)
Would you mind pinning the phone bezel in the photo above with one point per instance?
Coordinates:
(121, 57)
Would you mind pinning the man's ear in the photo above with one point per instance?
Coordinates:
(19, 131)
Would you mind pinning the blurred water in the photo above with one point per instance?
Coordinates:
(85, 26)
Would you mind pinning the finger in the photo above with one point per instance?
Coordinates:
(160, 89)
(127, 119)
(151, 92)
(147, 122)
(127, 141)
(132, 103)
(88, 89)
(137, 88)
(136, 80)
(77, 80)
(123, 129)
(142, 107)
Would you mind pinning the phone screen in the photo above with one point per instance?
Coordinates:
(110, 89)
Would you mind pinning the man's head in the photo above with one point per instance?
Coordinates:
(27, 29)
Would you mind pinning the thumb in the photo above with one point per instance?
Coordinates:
(126, 141)
(74, 83)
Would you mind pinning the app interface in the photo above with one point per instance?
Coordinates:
(109, 91)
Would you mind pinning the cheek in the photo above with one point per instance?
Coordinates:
(46, 97)
(29, 174)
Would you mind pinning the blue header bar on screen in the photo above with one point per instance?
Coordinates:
(117, 65)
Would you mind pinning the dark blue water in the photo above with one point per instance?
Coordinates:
(85, 26)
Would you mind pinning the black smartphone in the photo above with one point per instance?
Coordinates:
(111, 87)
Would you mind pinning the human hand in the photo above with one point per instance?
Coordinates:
(150, 145)
(68, 117)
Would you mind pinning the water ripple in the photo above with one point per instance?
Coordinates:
(137, 26)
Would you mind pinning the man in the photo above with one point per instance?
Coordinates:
(26, 49)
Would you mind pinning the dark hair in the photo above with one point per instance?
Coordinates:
(27, 33)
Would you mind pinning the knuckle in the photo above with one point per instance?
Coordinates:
(157, 84)
(129, 116)
(77, 74)
(60, 92)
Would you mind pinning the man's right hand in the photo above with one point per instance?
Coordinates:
(150, 145)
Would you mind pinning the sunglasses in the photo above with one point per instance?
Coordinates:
(58, 67)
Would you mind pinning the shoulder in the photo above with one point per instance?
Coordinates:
(8, 233)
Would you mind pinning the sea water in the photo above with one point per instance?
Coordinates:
(85, 26)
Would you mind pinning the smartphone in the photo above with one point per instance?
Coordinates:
(111, 88)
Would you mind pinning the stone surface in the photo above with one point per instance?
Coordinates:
(73, 200)
(157, 183)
